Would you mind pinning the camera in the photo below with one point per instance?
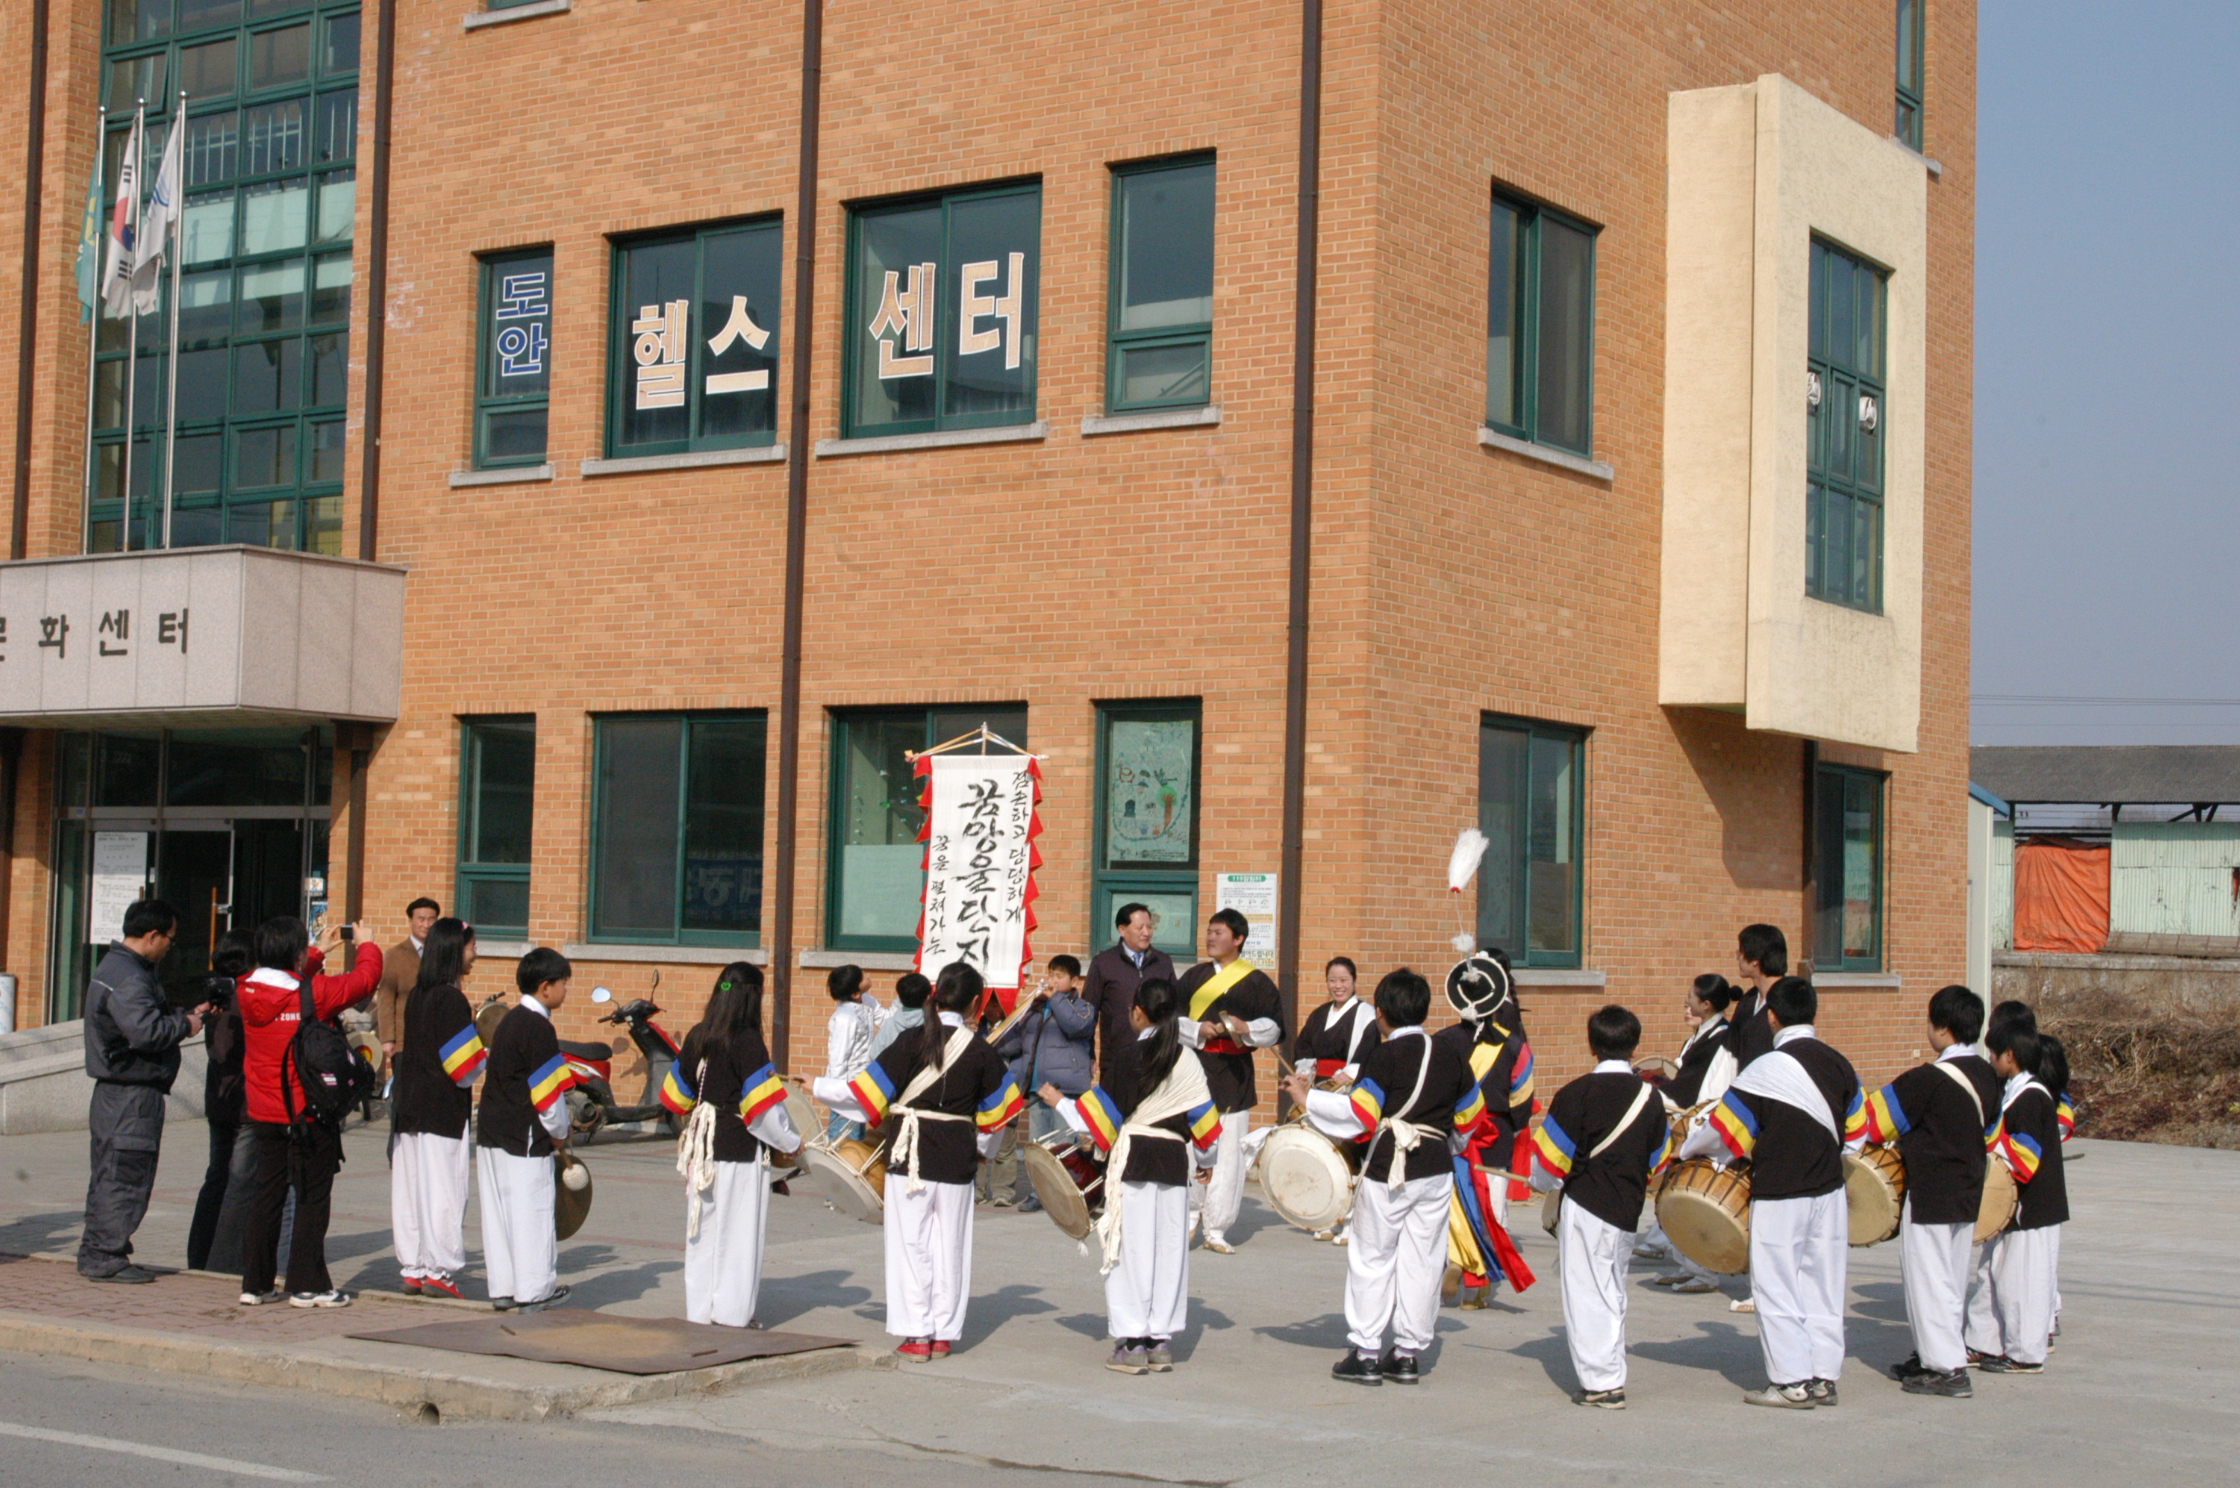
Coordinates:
(215, 988)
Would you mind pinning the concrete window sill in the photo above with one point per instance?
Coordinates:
(607, 953)
(482, 18)
(484, 946)
(1550, 976)
(893, 444)
(767, 454)
(1935, 166)
(1495, 439)
(511, 475)
(816, 957)
(1158, 418)
(1886, 981)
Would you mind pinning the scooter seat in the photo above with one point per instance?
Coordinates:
(600, 1052)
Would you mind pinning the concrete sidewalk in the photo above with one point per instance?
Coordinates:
(2143, 1383)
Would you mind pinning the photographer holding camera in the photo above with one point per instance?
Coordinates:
(132, 1052)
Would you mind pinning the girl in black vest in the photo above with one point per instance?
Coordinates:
(433, 1100)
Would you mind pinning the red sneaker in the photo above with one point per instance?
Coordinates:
(440, 1286)
(940, 1348)
(412, 1286)
(916, 1350)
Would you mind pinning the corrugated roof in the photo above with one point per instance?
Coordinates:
(2108, 774)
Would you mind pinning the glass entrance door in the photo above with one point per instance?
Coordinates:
(194, 875)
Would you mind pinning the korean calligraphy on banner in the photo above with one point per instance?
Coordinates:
(696, 348)
(980, 863)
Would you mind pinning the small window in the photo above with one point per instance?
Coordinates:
(1846, 412)
(942, 320)
(514, 387)
(1147, 819)
(676, 829)
(1540, 326)
(497, 797)
(1908, 125)
(1531, 806)
(694, 351)
(876, 875)
(1160, 322)
(1847, 869)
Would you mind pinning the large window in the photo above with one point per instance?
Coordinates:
(1147, 819)
(1908, 125)
(1531, 806)
(1846, 410)
(1160, 329)
(941, 312)
(513, 380)
(676, 829)
(1847, 869)
(876, 873)
(1540, 326)
(497, 799)
(264, 301)
(694, 346)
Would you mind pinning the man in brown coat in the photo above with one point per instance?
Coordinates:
(400, 968)
(1114, 975)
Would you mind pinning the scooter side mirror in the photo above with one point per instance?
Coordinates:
(601, 994)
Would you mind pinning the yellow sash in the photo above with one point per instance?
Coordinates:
(1221, 981)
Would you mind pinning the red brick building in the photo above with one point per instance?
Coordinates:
(1639, 475)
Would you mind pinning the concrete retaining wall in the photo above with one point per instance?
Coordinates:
(44, 1086)
(2189, 981)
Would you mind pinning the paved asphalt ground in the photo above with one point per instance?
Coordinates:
(2144, 1390)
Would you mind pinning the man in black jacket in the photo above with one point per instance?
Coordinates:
(1114, 975)
(132, 1052)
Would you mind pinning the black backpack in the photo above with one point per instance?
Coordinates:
(333, 1078)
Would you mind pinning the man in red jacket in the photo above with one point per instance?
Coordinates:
(289, 1146)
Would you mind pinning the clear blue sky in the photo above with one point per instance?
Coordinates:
(2107, 439)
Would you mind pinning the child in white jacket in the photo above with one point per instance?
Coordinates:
(855, 1020)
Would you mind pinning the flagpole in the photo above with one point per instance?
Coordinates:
(171, 363)
(93, 338)
(139, 149)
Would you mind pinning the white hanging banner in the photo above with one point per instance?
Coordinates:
(980, 862)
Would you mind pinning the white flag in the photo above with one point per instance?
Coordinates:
(157, 220)
(116, 279)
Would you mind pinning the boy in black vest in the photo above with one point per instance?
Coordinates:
(2015, 1298)
(1936, 1114)
(1792, 1111)
(1604, 1135)
(524, 1111)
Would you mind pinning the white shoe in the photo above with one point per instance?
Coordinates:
(1742, 1304)
(320, 1299)
(1219, 1244)
(259, 1299)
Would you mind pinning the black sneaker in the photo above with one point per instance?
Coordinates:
(559, 1295)
(503, 1304)
(2001, 1364)
(123, 1275)
(1910, 1367)
(1603, 1399)
(1822, 1391)
(1953, 1386)
(1355, 1370)
(1399, 1368)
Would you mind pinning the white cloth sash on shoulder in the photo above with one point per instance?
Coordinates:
(1780, 1075)
(1180, 1093)
(904, 1153)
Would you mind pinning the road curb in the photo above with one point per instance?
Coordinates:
(411, 1387)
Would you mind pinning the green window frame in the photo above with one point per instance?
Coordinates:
(677, 828)
(264, 313)
(693, 339)
(513, 359)
(1532, 808)
(1907, 125)
(1148, 758)
(874, 863)
(918, 358)
(497, 819)
(1847, 840)
(1847, 410)
(1159, 351)
(1540, 324)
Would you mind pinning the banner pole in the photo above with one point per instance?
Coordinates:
(139, 149)
(93, 335)
(171, 357)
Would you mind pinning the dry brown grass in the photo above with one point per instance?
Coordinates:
(2150, 1069)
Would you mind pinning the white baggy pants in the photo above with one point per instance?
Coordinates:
(1935, 1261)
(1395, 1262)
(1147, 1295)
(428, 1204)
(520, 1247)
(929, 1258)
(1221, 1197)
(1798, 1271)
(1595, 1258)
(723, 1263)
(2011, 1305)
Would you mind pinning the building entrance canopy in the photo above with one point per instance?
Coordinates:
(199, 638)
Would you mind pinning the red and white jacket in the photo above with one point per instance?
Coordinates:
(272, 1008)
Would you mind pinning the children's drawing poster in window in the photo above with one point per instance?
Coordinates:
(1151, 791)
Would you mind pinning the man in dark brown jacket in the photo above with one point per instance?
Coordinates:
(400, 968)
(1114, 976)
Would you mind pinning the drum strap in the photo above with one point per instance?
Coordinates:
(1181, 1092)
(696, 1152)
(1966, 1084)
(1408, 1135)
(905, 1153)
(1632, 1112)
